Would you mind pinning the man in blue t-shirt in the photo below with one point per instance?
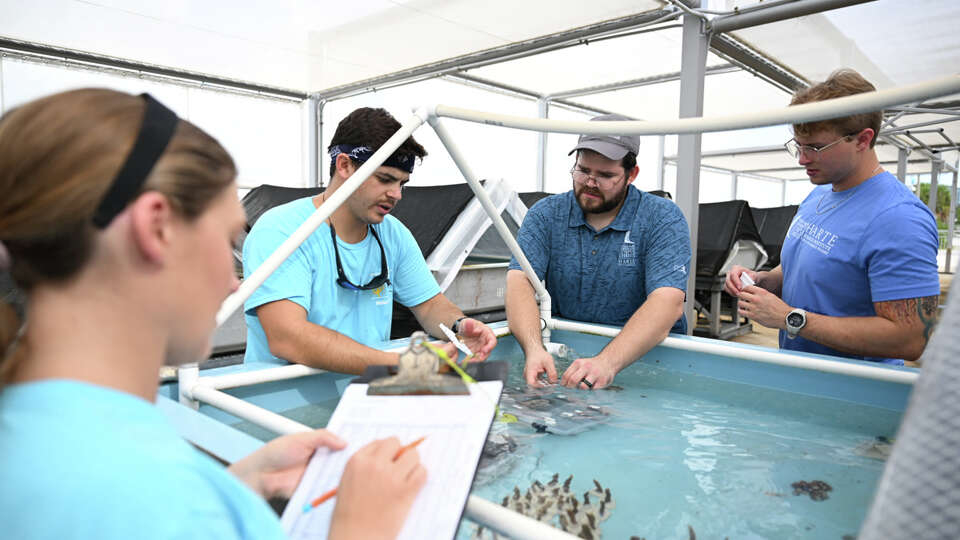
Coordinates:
(330, 303)
(858, 271)
(610, 254)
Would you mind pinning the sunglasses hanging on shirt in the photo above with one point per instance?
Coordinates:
(374, 283)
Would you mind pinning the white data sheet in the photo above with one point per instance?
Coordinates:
(455, 428)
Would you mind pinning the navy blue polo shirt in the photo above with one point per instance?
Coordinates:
(605, 276)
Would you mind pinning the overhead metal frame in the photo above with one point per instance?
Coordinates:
(80, 59)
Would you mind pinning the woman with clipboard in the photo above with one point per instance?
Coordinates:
(116, 221)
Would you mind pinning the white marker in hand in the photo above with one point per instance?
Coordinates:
(745, 280)
(453, 339)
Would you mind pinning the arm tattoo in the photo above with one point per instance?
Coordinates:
(927, 311)
(923, 309)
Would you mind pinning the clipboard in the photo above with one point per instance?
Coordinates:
(455, 427)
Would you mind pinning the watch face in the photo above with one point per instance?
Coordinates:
(794, 319)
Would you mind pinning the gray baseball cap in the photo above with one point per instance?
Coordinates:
(611, 146)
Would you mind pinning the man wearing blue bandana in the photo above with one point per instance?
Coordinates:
(610, 254)
(329, 305)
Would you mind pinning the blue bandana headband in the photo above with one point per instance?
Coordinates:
(363, 153)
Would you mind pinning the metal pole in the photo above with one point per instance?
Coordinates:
(734, 180)
(48, 53)
(902, 165)
(693, 63)
(312, 142)
(661, 146)
(729, 23)
(783, 192)
(321, 103)
(951, 218)
(935, 167)
(543, 111)
(2, 110)
(512, 51)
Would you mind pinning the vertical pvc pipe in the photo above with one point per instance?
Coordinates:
(501, 227)
(187, 376)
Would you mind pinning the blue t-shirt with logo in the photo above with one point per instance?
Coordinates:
(86, 461)
(845, 250)
(605, 276)
(309, 277)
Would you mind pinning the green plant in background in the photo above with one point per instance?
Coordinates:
(943, 203)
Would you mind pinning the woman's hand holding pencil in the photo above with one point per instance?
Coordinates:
(376, 491)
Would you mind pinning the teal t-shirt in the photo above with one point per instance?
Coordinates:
(84, 461)
(309, 277)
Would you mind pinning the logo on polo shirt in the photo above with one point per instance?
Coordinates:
(628, 252)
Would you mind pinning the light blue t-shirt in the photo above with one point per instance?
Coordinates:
(84, 461)
(846, 250)
(605, 276)
(309, 277)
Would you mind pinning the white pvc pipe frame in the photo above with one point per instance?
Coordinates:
(194, 388)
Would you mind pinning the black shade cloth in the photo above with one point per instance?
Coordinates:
(531, 197)
(262, 198)
(491, 247)
(429, 212)
(722, 224)
(773, 224)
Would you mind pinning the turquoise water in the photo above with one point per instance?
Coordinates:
(677, 450)
(681, 451)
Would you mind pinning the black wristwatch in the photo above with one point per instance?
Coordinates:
(796, 320)
(456, 325)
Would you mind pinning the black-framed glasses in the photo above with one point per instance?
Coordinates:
(796, 149)
(580, 176)
(374, 283)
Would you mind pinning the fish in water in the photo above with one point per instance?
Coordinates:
(613, 388)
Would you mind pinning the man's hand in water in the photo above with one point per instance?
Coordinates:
(539, 362)
(589, 373)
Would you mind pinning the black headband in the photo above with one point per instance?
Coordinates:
(157, 129)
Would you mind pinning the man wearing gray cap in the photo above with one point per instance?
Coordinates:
(609, 254)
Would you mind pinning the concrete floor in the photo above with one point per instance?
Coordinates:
(767, 337)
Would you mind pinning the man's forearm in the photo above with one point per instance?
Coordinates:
(433, 312)
(646, 328)
(523, 313)
(319, 347)
(865, 336)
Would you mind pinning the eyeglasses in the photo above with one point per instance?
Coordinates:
(374, 283)
(796, 149)
(603, 180)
